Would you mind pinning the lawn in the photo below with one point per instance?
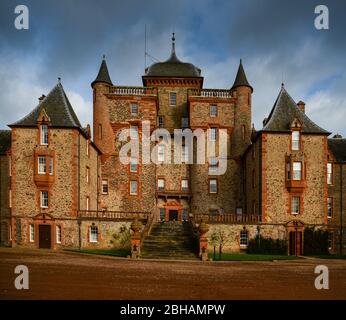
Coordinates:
(251, 257)
(109, 252)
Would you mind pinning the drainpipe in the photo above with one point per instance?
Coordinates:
(79, 221)
(341, 209)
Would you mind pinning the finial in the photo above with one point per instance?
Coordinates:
(59, 79)
(173, 42)
(282, 85)
(240, 61)
(173, 37)
(104, 57)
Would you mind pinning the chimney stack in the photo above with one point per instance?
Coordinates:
(301, 105)
(41, 98)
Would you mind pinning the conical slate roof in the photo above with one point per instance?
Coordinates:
(284, 112)
(57, 107)
(173, 67)
(103, 75)
(240, 79)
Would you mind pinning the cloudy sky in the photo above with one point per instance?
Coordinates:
(277, 41)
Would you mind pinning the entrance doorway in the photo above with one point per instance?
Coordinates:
(295, 248)
(44, 232)
(173, 215)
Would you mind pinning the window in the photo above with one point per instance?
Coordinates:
(288, 170)
(161, 153)
(297, 171)
(42, 165)
(134, 108)
(330, 240)
(243, 132)
(185, 154)
(87, 205)
(87, 174)
(253, 179)
(212, 134)
(295, 140)
(44, 134)
(244, 238)
(87, 147)
(31, 233)
(213, 165)
(44, 199)
(160, 184)
(330, 207)
(93, 234)
(104, 186)
(134, 132)
(133, 187)
(58, 234)
(329, 173)
(213, 110)
(161, 121)
(10, 198)
(184, 215)
(212, 186)
(173, 99)
(184, 123)
(184, 185)
(162, 214)
(295, 205)
(10, 232)
(51, 166)
(133, 165)
(239, 211)
(100, 131)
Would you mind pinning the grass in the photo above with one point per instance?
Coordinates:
(251, 257)
(105, 252)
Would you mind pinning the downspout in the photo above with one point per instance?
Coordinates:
(341, 210)
(260, 176)
(79, 221)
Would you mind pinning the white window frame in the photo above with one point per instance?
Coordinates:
(133, 162)
(329, 173)
(211, 184)
(213, 165)
(58, 234)
(31, 232)
(134, 105)
(41, 165)
(297, 170)
(87, 147)
(10, 198)
(243, 238)
(10, 166)
(134, 132)
(133, 193)
(44, 134)
(44, 199)
(185, 154)
(161, 153)
(173, 101)
(293, 204)
(93, 232)
(104, 183)
(213, 110)
(184, 185)
(160, 184)
(296, 140)
(51, 166)
(87, 174)
(212, 134)
(160, 121)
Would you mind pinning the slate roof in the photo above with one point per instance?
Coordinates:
(173, 67)
(338, 148)
(284, 111)
(5, 140)
(240, 79)
(58, 108)
(103, 75)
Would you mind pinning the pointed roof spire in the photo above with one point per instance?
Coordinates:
(56, 106)
(173, 42)
(103, 75)
(240, 79)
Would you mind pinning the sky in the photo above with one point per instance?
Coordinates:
(277, 41)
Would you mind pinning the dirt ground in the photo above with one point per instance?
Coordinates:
(64, 275)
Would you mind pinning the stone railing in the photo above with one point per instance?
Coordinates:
(113, 215)
(210, 93)
(120, 90)
(227, 218)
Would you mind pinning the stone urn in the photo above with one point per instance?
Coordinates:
(136, 226)
(203, 228)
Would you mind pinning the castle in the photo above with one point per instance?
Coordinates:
(61, 189)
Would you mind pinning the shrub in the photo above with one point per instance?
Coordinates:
(315, 242)
(122, 239)
(262, 245)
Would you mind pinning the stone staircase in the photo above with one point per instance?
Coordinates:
(169, 240)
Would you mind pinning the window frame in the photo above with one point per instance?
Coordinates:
(299, 204)
(134, 104)
(42, 199)
(242, 238)
(213, 136)
(213, 110)
(31, 233)
(137, 187)
(161, 147)
(44, 139)
(330, 175)
(41, 164)
(184, 122)
(104, 184)
(171, 94)
(295, 143)
(297, 171)
(161, 119)
(216, 184)
(330, 207)
(182, 188)
(93, 233)
(58, 234)
(160, 189)
(51, 166)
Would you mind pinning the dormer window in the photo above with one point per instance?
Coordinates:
(44, 134)
(295, 140)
